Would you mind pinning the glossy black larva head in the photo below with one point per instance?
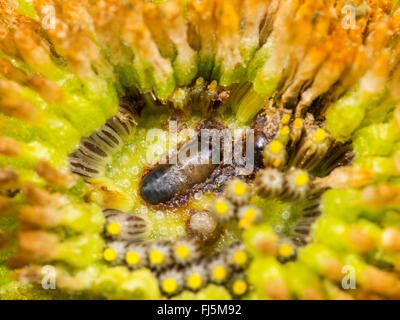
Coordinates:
(159, 185)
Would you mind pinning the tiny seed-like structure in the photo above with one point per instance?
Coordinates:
(124, 226)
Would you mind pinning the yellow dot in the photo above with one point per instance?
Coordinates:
(132, 258)
(285, 118)
(213, 85)
(276, 163)
(179, 94)
(194, 281)
(240, 257)
(301, 179)
(156, 257)
(320, 135)
(239, 287)
(275, 147)
(221, 207)
(297, 123)
(113, 228)
(169, 285)
(248, 219)
(199, 81)
(251, 213)
(285, 250)
(239, 189)
(110, 254)
(182, 251)
(284, 130)
(219, 273)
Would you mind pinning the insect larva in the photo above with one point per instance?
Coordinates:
(165, 181)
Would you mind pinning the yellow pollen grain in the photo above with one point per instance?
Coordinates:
(239, 287)
(276, 163)
(132, 258)
(219, 273)
(156, 257)
(194, 281)
(297, 123)
(239, 189)
(285, 118)
(275, 147)
(110, 254)
(221, 207)
(301, 179)
(248, 219)
(179, 94)
(284, 130)
(199, 81)
(182, 251)
(320, 135)
(240, 257)
(169, 285)
(113, 228)
(285, 250)
(213, 85)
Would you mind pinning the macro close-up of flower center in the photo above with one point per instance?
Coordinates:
(199, 149)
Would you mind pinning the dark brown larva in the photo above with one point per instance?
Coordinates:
(165, 181)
